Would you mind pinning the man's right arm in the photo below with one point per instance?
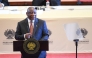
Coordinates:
(18, 33)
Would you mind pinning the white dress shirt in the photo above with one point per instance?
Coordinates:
(29, 22)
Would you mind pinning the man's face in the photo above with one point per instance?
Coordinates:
(31, 13)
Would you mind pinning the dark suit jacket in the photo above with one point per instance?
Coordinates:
(43, 2)
(40, 31)
(38, 2)
(55, 2)
(5, 2)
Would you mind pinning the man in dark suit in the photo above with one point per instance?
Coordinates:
(43, 2)
(5, 2)
(32, 27)
(55, 2)
(38, 2)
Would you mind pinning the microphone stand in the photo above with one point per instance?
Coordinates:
(76, 44)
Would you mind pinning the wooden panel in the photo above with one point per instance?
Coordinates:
(69, 3)
(86, 0)
(76, 3)
(62, 3)
(86, 3)
(20, 3)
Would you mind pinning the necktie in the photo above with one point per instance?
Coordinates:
(31, 28)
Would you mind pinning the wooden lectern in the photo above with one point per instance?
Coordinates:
(18, 46)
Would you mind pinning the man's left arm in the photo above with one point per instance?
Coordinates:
(45, 34)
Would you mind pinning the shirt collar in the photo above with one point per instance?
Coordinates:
(30, 20)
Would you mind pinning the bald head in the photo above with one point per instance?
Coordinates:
(31, 9)
(31, 13)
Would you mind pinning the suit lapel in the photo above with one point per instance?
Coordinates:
(35, 25)
(26, 26)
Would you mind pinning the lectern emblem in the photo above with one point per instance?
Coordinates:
(31, 46)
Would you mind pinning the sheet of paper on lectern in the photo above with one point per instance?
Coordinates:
(73, 31)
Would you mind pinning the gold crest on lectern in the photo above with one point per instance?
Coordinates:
(31, 46)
